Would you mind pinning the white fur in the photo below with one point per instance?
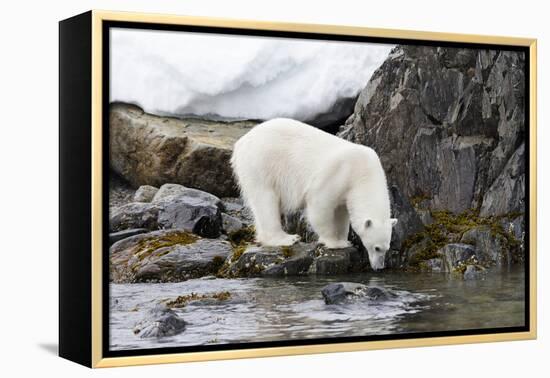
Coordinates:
(283, 165)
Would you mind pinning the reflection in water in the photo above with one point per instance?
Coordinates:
(292, 308)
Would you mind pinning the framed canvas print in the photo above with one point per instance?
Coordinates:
(235, 189)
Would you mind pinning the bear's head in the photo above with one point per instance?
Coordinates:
(375, 235)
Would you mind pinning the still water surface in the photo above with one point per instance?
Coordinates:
(292, 308)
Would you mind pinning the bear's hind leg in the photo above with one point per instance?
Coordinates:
(267, 216)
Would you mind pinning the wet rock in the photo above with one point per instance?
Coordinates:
(490, 248)
(473, 272)
(336, 293)
(273, 261)
(159, 322)
(337, 261)
(152, 150)
(117, 236)
(166, 256)
(145, 193)
(455, 254)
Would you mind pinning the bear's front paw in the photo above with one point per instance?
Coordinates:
(334, 244)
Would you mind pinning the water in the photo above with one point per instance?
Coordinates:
(292, 308)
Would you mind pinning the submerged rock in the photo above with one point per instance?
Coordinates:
(473, 272)
(166, 256)
(335, 293)
(151, 150)
(159, 322)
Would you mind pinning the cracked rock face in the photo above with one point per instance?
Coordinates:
(448, 125)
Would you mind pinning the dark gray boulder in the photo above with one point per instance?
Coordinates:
(191, 214)
(173, 206)
(336, 293)
(159, 322)
(166, 256)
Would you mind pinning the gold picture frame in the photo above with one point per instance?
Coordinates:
(93, 25)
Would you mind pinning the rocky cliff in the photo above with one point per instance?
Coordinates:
(449, 126)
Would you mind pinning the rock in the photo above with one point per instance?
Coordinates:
(445, 123)
(273, 261)
(231, 224)
(191, 214)
(455, 254)
(145, 193)
(186, 209)
(134, 215)
(507, 194)
(117, 236)
(337, 114)
(434, 265)
(337, 261)
(166, 256)
(490, 248)
(234, 206)
(473, 272)
(168, 192)
(408, 223)
(159, 322)
(336, 293)
(152, 150)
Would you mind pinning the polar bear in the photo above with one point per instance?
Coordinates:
(283, 165)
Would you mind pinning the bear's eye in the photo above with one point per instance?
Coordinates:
(377, 249)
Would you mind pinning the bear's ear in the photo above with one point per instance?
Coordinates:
(368, 223)
(393, 221)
